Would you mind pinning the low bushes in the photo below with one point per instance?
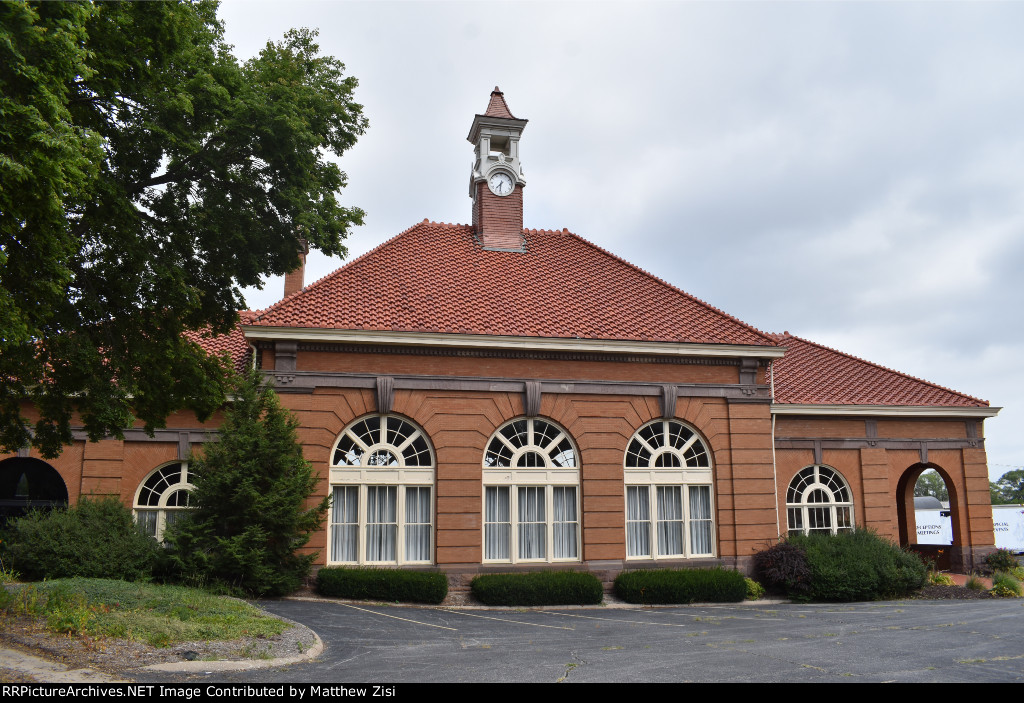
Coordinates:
(95, 539)
(681, 586)
(382, 584)
(848, 566)
(1004, 584)
(783, 569)
(1001, 560)
(538, 588)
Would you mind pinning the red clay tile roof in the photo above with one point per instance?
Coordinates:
(233, 343)
(437, 278)
(497, 107)
(810, 373)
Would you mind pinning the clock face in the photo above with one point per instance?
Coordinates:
(500, 183)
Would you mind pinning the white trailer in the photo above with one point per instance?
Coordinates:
(935, 526)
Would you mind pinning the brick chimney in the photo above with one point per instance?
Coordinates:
(294, 279)
(496, 182)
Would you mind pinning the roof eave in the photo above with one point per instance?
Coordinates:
(884, 410)
(482, 341)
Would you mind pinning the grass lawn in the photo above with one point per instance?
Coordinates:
(157, 615)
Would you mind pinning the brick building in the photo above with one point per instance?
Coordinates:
(484, 397)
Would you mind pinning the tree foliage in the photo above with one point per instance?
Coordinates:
(146, 176)
(930, 483)
(1009, 488)
(249, 515)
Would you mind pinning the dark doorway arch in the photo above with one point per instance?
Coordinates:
(944, 557)
(29, 484)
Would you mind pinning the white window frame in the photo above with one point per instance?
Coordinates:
(669, 460)
(505, 466)
(355, 471)
(833, 490)
(161, 509)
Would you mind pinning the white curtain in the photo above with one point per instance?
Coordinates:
(638, 521)
(417, 524)
(381, 523)
(565, 522)
(497, 523)
(670, 520)
(146, 520)
(344, 524)
(532, 525)
(700, 519)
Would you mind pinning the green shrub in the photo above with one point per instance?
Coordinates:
(755, 591)
(783, 569)
(1001, 560)
(250, 513)
(937, 578)
(97, 539)
(858, 565)
(382, 584)
(681, 586)
(1005, 585)
(538, 588)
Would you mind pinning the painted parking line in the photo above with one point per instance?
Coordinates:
(635, 622)
(385, 615)
(518, 622)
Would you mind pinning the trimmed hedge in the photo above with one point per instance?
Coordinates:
(97, 538)
(382, 584)
(681, 586)
(859, 565)
(538, 588)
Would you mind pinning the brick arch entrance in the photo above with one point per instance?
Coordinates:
(29, 484)
(945, 557)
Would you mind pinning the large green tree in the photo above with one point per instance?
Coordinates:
(146, 176)
(1009, 488)
(249, 515)
(930, 483)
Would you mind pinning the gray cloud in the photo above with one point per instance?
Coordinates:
(851, 172)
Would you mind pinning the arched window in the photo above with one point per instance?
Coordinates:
(162, 498)
(668, 493)
(382, 482)
(531, 494)
(818, 500)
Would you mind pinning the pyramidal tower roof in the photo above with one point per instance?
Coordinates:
(497, 107)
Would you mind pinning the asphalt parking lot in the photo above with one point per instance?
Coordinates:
(926, 641)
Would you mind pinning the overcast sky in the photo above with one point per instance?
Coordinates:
(850, 172)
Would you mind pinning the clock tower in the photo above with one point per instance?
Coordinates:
(496, 183)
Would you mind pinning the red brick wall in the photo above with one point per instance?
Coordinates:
(513, 368)
(498, 220)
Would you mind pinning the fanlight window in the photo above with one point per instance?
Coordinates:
(818, 500)
(531, 494)
(382, 478)
(669, 511)
(162, 498)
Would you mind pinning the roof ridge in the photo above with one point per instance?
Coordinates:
(680, 291)
(347, 266)
(886, 368)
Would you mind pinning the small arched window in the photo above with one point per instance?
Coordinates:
(819, 500)
(531, 494)
(382, 482)
(668, 478)
(162, 498)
